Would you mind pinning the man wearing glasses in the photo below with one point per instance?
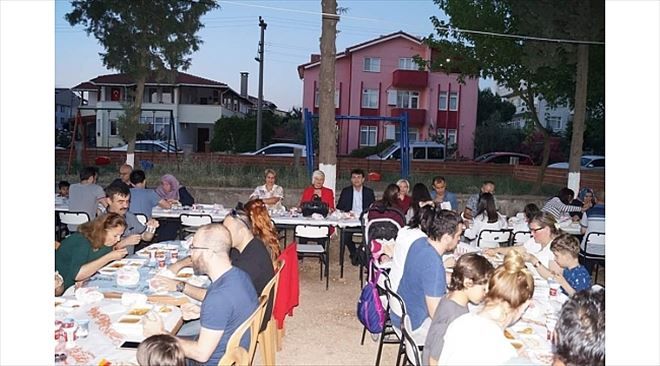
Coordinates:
(230, 298)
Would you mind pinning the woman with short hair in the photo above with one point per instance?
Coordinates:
(270, 193)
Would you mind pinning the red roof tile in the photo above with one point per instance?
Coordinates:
(125, 79)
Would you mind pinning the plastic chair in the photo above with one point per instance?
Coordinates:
(489, 236)
(71, 218)
(142, 218)
(588, 250)
(268, 337)
(524, 235)
(412, 349)
(235, 357)
(191, 222)
(253, 322)
(396, 305)
(319, 235)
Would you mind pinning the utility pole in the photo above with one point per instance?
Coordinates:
(260, 60)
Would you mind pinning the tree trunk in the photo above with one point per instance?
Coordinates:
(578, 119)
(327, 129)
(528, 96)
(137, 112)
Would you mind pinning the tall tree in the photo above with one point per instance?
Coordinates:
(327, 129)
(531, 68)
(492, 109)
(140, 38)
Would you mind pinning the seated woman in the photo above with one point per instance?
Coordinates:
(171, 190)
(420, 197)
(404, 199)
(559, 205)
(90, 249)
(510, 290)
(387, 207)
(487, 218)
(530, 210)
(317, 189)
(270, 193)
(263, 227)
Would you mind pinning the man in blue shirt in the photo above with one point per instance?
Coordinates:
(143, 199)
(229, 301)
(443, 198)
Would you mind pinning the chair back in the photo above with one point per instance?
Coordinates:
(412, 349)
(394, 300)
(73, 218)
(269, 288)
(142, 218)
(489, 238)
(235, 357)
(521, 237)
(594, 243)
(311, 232)
(195, 220)
(253, 322)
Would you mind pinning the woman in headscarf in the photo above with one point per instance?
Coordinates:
(171, 190)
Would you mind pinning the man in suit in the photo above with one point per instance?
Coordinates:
(355, 198)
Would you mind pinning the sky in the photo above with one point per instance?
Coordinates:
(231, 37)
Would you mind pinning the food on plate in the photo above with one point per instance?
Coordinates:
(184, 275)
(129, 320)
(117, 265)
(138, 311)
(508, 334)
(165, 309)
(516, 344)
(526, 330)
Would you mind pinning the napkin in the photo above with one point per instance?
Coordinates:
(88, 295)
(129, 299)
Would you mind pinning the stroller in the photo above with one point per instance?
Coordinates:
(382, 224)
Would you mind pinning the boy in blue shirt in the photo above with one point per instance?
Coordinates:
(575, 276)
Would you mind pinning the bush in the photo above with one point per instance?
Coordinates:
(370, 150)
(238, 134)
(497, 137)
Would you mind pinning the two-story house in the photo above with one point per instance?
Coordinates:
(553, 118)
(186, 108)
(66, 107)
(380, 78)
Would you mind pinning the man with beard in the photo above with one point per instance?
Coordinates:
(118, 198)
(230, 298)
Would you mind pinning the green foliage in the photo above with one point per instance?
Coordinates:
(238, 134)
(491, 109)
(594, 136)
(497, 137)
(128, 124)
(370, 150)
(62, 137)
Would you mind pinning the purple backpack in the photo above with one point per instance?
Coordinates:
(370, 310)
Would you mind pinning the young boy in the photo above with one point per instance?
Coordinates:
(575, 277)
(161, 349)
(63, 188)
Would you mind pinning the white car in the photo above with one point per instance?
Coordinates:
(419, 150)
(587, 162)
(150, 146)
(280, 149)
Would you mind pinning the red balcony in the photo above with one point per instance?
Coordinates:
(410, 79)
(416, 117)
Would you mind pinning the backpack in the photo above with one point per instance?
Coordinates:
(370, 310)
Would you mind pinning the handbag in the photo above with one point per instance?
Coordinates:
(314, 206)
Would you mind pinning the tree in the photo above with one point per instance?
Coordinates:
(141, 38)
(531, 68)
(492, 109)
(238, 134)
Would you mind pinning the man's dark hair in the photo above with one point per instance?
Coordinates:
(119, 188)
(438, 179)
(580, 330)
(358, 171)
(88, 172)
(137, 176)
(443, 222)
(63, 184)
(488, 182)
(566, 195)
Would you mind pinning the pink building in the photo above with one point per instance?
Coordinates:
(380, 78)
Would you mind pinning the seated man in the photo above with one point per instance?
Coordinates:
(470, 210)
(143, 199)
(579, 337)
(355, 198)
(118, 197)
(229, 300)
(443, 199)
(86, 195)
(124, 175)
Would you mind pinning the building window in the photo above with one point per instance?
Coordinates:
(167, 96)
(453, 101)
(372, 64)
(370, 98)
(451, 133)
(368, 135)
(407, 99)
(407, 63)
(413, 134)
(442, 101)
(113, 127)
(317, 97)
(553, 123)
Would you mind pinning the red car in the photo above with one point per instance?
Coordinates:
(504, 158)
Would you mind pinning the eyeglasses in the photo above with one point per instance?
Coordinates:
(537, 229)
(235, 213)
(192, 247)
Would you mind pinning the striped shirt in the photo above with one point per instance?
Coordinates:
(556, 208)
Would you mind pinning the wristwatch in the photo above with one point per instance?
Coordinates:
(180, 286)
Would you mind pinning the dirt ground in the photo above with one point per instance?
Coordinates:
(324, 329)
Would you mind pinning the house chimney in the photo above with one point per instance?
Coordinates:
(244, 84)
(314, 57)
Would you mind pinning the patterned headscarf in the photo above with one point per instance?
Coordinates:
(174, 183)
(583, 193)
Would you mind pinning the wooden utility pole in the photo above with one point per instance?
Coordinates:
(260, 59)
(327, 123)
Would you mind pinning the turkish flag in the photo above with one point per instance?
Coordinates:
(115, 94)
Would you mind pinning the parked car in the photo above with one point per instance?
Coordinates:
(419, 150)
(279, 149)
(149, 146)
(504, 158)
(587, 162)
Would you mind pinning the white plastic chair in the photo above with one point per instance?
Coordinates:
(70, 221)
(593, 249)
(412, 349)
(493, 238)
(190, 223)
(320, 236)
(142, 218)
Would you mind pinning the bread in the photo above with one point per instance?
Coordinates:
(508, 334)
(527, 330)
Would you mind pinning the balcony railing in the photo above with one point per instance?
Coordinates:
(410, 79)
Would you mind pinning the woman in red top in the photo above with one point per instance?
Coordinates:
(404, 199)
(317, 188)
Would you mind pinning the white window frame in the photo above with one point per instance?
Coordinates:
(404, 97)
(443, 106)
(371, 64)
(371, 135)
(453, 96)
(452, 136)
(553, 119)
(413, 134)
(407, 63)
(369, 96)
(317, 96)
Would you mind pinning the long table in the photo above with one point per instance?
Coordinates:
(105, 335)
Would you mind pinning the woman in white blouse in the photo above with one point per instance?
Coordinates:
(270, 193)
(487, 218)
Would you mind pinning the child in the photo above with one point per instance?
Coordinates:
(469, 282)
(160, 349)
(575, 276)
(63, 188)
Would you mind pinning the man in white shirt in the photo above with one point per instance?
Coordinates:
(355, 198)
